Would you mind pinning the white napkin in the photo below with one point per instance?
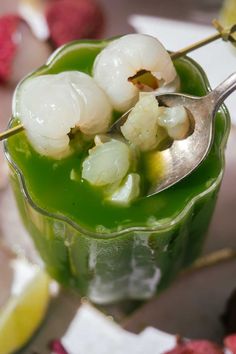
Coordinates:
(94, 333)
(153, 341)
(91, 332)
(218, 59)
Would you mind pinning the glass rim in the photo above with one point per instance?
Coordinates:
(147, 229)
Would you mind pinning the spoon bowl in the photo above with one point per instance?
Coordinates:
(184, 156)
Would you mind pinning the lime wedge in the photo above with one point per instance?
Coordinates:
(24, 312)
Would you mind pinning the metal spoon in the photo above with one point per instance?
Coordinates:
(185, 155)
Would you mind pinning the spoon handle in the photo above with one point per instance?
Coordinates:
(222, 91)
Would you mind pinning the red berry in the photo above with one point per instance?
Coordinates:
(180, 349)
(8, 44)
(69, 20)
(197, 347)
(204, 347)
(230, 343)
(57, 347)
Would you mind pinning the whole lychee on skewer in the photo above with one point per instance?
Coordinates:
(69, 20)
(20, 51)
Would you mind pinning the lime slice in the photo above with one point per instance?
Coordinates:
(24, 312)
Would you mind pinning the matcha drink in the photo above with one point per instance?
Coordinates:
(112, 250)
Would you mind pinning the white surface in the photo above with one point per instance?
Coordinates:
(92, 332)
(35, 19)
(24, 272)
(218, 59)
(154, 341)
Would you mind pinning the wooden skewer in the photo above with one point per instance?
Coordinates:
(211, 259)
(225, 34)
(12, 131)
(194, 46)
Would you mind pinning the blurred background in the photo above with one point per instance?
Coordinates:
(118, 12)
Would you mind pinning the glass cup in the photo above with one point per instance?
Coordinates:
(131, 262)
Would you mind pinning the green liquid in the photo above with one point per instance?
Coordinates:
(131, 264)
(51, 188)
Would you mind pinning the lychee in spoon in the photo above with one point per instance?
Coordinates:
(184, 156)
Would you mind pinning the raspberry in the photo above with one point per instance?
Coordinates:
(57, 347)
(8, 47)
(197, 347)
(69, 20)
(204, 347)
(180, 349)
(230, 343)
